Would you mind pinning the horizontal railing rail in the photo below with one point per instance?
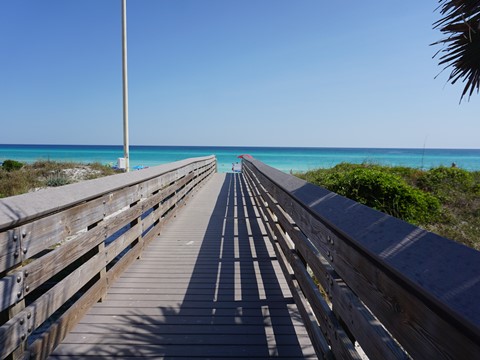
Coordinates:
(61, 248)
(367, 283)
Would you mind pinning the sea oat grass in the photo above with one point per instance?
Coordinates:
(17, 182)
(101, 170)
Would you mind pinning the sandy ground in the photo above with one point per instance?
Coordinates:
(80, 173)
(73, 175)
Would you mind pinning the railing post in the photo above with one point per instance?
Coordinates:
(138, 222)
(100, 249)
(8, 314)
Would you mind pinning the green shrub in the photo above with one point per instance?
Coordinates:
(10, 165)
(476, 189)
(442, 177)
(385, 192)
(446, 182)
(418, 196)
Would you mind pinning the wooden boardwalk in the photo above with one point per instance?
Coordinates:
(208, 287)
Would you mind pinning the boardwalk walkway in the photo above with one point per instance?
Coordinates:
(208, 287)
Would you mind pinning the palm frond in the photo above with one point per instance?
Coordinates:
(461, 46)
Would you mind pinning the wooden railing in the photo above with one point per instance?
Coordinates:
(366, 282)
(61, 248)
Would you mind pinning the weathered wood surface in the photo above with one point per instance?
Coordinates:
(300, 253)
(423, 288)
(19, 209)
(209, 286)
(62, 212)
(66, 255)
(285, 256)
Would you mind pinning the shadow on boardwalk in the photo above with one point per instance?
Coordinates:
(227, 303)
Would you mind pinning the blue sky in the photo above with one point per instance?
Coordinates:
(229, 72)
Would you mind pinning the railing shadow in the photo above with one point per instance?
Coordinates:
(233, 305)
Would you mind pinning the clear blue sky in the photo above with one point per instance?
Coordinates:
(230, 72)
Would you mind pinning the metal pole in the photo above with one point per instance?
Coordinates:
(125, 87)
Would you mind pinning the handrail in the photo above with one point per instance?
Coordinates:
(395, 289)
(61, 248)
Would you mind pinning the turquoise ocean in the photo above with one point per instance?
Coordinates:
(283, 158)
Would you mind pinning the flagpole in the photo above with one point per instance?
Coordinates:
(125, 87)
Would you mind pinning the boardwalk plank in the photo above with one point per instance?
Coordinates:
(166, 304)
(179, 339)
(193, 351)
(250, 291)
(232, 312)
(180, 284)
(154, 330)
(208, 287)
(192, 319)
(159, 357)
(195, 298)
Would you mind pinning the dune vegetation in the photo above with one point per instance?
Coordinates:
(18, 178)
(444, 200)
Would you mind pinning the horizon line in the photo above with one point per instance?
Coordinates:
(252, 146)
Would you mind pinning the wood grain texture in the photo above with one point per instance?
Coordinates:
(11, 254)
(11, 289)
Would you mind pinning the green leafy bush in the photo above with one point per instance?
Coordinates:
(10, 165)
(457, 190)
(442, 180)
(386, 192)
